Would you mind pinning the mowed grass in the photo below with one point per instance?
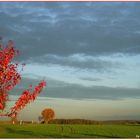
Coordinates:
(68, 131)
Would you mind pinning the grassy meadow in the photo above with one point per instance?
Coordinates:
(69, 131)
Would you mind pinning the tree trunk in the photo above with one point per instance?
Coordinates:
(14, 120)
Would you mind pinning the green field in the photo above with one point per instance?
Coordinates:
(68, 131)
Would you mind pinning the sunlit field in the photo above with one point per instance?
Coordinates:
(68, 131)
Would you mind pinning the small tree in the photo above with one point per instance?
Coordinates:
(48, 114)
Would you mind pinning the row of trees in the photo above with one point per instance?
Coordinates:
(83, 121)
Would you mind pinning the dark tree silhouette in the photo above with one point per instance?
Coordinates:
(48, 114)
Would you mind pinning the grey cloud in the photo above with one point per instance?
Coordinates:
(60, 28)
(78, 61)
(90, 79)
(60, 89)
(95, 92)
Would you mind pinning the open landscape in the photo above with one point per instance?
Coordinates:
(100, 130)
(69, 69)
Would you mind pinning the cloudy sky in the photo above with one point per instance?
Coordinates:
(88, 52)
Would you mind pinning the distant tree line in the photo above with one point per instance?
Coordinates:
(83, 121)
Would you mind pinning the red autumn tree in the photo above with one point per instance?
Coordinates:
(48, 114)
(9, 78)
